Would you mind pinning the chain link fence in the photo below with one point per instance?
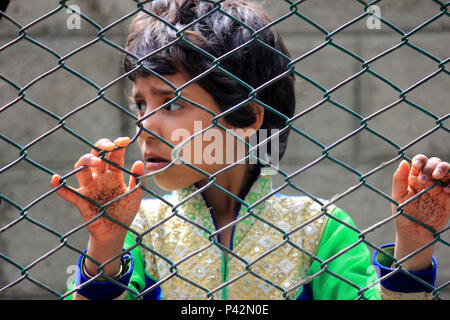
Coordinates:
(372, 89)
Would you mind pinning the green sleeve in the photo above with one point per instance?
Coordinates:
(354, 265)
(137, 280)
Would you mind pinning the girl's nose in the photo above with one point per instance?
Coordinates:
(151, 122)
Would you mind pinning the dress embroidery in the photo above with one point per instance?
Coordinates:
(273, 244)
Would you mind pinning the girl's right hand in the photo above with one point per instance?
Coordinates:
(102, 183)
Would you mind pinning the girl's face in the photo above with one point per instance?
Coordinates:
(175, 123)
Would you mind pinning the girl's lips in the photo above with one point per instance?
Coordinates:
(155, 165)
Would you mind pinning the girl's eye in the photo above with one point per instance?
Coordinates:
(173, 107)
(138, 107)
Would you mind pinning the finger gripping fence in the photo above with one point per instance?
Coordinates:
(371, 84)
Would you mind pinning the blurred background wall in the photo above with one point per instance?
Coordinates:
(40, 253)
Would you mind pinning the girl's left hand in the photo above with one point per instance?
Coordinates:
(431, 208)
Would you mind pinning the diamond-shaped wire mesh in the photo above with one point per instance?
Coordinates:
(371, 88)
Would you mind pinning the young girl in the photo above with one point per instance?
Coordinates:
(222, 232)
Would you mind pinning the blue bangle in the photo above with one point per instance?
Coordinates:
(402, 281)
(104, 290)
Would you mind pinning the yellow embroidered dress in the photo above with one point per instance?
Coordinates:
(263, 263)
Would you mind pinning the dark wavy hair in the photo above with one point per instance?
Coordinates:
(216, 30)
